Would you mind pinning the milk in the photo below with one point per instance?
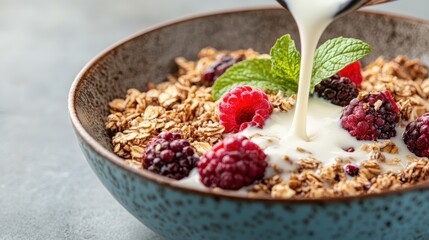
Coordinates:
(326, 141)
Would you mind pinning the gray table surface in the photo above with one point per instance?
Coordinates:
(47, 190)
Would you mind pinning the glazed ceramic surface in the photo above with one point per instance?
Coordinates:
(179, 213)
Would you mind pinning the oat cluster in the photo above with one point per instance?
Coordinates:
(184, 104)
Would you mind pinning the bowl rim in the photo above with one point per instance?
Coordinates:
(214, 193)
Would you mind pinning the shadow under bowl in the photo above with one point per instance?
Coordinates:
(177, 212)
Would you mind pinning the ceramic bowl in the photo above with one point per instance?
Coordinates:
(181, 213)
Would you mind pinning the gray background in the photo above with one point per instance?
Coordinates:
(47, 190)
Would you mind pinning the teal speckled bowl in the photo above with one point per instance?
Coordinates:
(180, 213)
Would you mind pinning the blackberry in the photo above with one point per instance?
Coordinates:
(219, 67)
(416, 136)
(233, 163)
(371, 116)
(170, 155)
(338, 90)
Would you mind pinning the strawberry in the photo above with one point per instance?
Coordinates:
(353, 72)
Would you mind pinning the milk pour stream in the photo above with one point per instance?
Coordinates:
(312, 18)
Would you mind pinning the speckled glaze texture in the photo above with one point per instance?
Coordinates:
(182, 214)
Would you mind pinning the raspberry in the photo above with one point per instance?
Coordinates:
(219, 67)
(354, 73)
(372, 116)
(244, 107)
(351, 170)
(338, 90)
(170, 156)
(416, 136)
(232, 164)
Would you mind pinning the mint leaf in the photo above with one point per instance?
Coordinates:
(334, 55)
(285, 58)
(253, 72)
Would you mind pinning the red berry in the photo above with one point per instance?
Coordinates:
(351, 170)
(170, 156)
(350, 149)
(244, 107)
(416, 136)
(353, 72)
(372, 116)
(232, 164)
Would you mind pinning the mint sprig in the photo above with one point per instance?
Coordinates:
(281, 72)
(253, 72)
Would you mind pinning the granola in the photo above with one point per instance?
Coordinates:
(184, 104)
(405, 79)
